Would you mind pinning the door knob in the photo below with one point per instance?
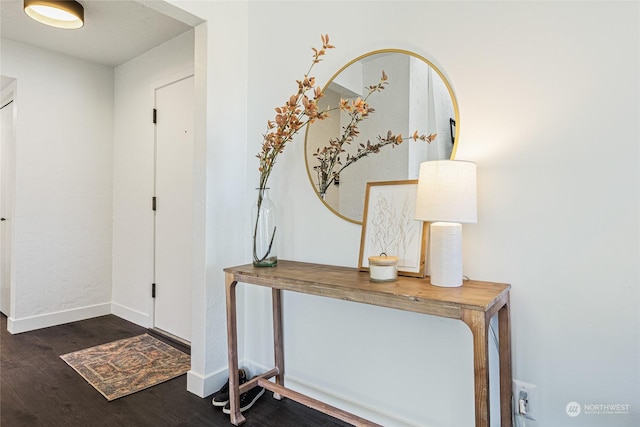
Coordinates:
(3, 219)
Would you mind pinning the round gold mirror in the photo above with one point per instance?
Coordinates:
(412, 117)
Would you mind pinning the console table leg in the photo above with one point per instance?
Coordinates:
(278, 345)
(479, 325)
(232, 340)
(504, 336)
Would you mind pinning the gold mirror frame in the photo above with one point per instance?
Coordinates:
(309, 130)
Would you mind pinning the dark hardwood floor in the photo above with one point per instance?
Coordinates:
(37, 388)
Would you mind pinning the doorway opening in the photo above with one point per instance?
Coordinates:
(7, 191)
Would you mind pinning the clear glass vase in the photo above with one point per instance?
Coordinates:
(264, 230)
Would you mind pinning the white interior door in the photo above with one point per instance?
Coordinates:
(6, 199)
(174, 208)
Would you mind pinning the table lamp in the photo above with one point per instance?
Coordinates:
(446, 197)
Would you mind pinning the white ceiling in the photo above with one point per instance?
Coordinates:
(115, 31)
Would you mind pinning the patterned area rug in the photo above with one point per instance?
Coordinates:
(126, 366)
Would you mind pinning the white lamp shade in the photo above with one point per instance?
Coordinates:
(447, 192)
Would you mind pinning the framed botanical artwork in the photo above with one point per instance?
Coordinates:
(388, 226)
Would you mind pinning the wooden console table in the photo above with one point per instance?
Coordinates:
(474, 303)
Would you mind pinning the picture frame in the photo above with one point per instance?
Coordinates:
(388, 226)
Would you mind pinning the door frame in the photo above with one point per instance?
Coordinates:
(9, 94)
(158, 84)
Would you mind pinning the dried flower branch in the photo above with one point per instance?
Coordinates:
(330, 165)
(300, 109)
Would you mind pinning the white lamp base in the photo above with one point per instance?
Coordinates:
(446, 254)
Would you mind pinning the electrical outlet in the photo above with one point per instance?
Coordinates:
(525, 399)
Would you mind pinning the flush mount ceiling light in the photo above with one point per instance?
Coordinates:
(67, 14)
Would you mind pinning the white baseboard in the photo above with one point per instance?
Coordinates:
(353, 406)
(131, 315)
(203, 386)
(17, 326)
(334, 399)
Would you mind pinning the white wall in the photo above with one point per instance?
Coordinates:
(133, 189)
(546, 90)
(541, 87)
(133, 173)
(63, 187)
(223, 195)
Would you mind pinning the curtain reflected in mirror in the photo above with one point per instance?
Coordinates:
(415, 106)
